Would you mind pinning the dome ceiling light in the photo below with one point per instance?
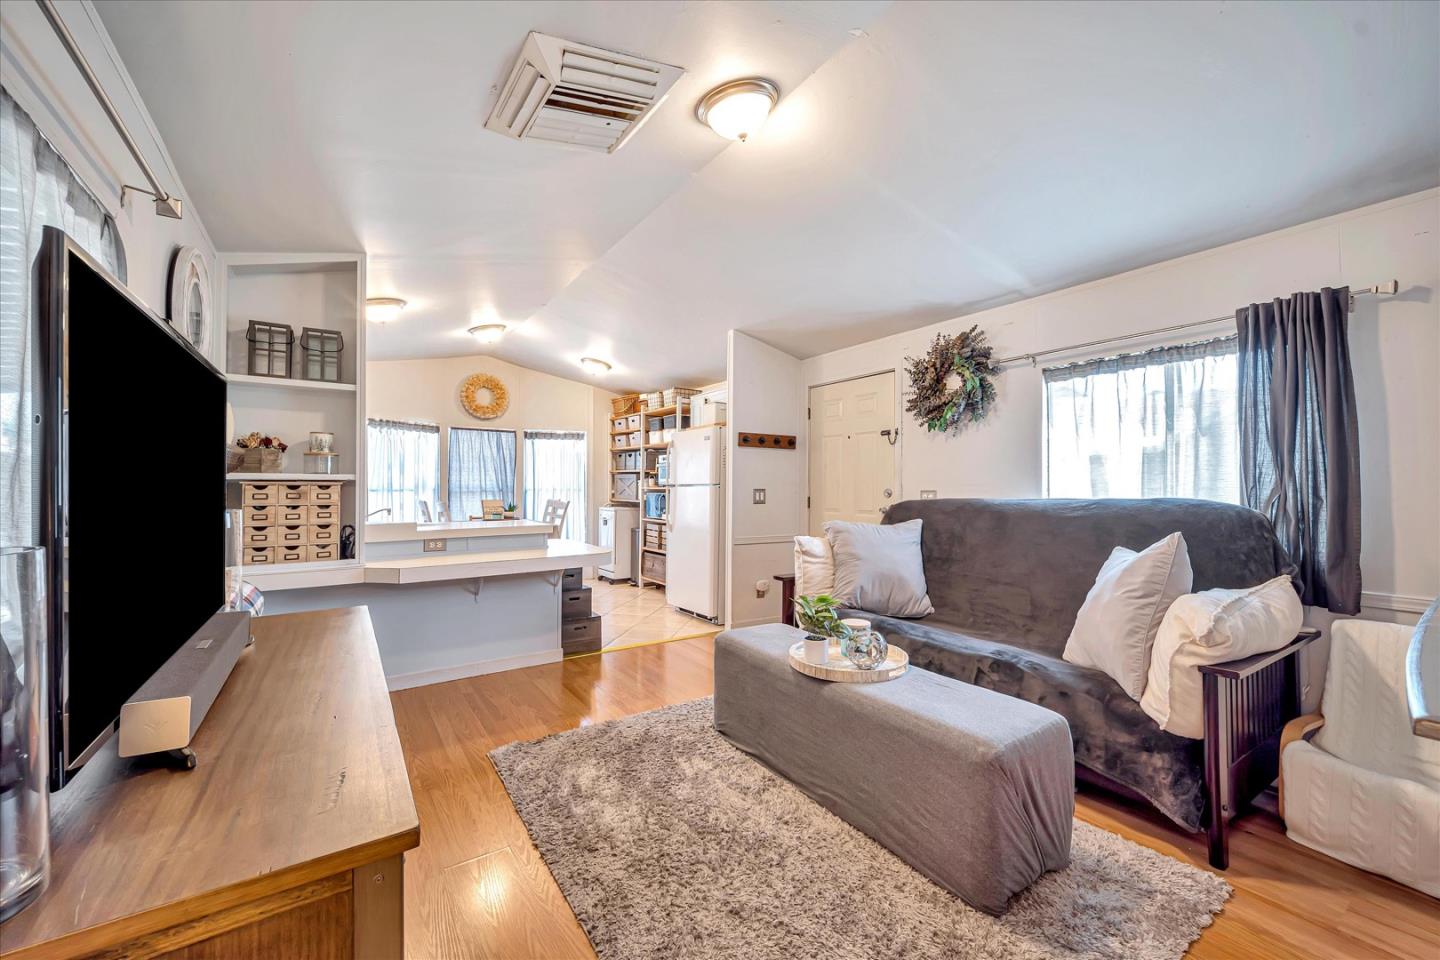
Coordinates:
(488, 332)
(383, 309)
(594, 366)
(738, 109)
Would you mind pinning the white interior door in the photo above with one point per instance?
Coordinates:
(852, 466)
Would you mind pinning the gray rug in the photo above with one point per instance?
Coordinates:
(669, 842)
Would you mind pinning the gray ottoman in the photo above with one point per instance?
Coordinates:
(974, 789)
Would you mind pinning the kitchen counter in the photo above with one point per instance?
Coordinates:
(393, 532)
(555, 555)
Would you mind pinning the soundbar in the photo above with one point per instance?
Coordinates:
(164, 714)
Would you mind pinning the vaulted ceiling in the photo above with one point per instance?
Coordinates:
(926, 159)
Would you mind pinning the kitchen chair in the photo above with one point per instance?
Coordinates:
(555, 511)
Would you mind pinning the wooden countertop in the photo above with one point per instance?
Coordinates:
(300, 776)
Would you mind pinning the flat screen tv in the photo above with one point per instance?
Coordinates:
(132, 495)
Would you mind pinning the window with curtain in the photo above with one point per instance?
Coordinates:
(403, 462)
(37, 189)
(1161, 423)
(481, 466)
(556, 467)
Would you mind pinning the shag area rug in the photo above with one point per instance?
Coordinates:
(669, 842)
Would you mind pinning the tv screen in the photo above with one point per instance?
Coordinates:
(133, 495)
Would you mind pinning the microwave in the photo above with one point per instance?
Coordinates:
(655, 506)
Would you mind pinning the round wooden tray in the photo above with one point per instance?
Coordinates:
(836, 668)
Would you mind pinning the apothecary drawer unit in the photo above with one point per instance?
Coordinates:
(324, 513)
(296, 553)
(324, 533)
(290, 523)
(261, 494)
(321, 493)
(293, 513)
(294, 493)
(258, 556)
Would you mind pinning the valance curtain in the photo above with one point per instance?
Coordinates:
(1160, 423)
(556, 468)
(481, 466)
(1299, 438)
(37, 189)
(403, 467)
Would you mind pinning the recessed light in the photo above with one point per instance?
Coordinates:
(488, 332)
(383, 309)
(594, 367)
(737, 110)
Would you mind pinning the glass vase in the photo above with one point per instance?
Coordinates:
(864, 648)
(24, 740)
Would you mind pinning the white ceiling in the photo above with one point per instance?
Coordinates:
(949, 157)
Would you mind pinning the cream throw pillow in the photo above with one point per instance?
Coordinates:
(1213, 626)
(814, 566)
(1117, 623)
(879, 568)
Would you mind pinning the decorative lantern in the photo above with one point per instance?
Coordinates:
(321, 350)
(269, 348)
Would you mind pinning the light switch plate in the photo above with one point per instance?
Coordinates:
(437, 545)
(927, 494)
(757, 495)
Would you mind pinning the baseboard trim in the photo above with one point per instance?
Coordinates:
(1398, 602)
(476, 668)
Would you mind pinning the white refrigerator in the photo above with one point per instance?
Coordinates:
(695, 546)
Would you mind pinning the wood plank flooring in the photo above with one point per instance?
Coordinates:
(476, 888)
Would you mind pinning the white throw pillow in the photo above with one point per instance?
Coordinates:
(814, 566)
(1116, 626)
(878, 567)
(1211, 627)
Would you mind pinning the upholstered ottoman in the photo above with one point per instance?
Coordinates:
(974, 789)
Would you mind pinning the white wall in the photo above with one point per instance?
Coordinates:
(39, 74)
(1395, 349)
(430, 390)
(765, 396)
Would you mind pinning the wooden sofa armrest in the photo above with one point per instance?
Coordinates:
(1301, 728)
(1245, 666)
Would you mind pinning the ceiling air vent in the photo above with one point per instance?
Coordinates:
(578, 95)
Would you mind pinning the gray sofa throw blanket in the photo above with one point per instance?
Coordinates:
(1299, 438)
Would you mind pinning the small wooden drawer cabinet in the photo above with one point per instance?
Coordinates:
(289, 523)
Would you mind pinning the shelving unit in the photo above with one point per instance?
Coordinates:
(322, 290)
(651, 421)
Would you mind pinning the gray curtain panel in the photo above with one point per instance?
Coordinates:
(481, 467)
(1299, 439)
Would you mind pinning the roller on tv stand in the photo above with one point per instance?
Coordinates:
(165, 713)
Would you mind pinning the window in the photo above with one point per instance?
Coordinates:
(404, 469)
(555, 469)
(481, 467)
(1162, 423)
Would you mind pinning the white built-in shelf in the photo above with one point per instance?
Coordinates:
(287, 383)
(291, 477)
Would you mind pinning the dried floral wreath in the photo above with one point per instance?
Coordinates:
(953, 383)
(471, 389)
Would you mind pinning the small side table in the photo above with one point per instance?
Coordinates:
(787, 598)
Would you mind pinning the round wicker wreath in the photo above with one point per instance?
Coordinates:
(470, 396)
(953, 383)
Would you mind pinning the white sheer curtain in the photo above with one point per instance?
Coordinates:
(1162, 423)
(37, 189)
(481, 466)
(403, 462)
(555, 469)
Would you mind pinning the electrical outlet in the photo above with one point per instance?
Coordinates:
(927, 494)
(437, 545)
(757, 495)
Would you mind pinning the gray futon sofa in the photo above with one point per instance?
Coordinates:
(1007, 578)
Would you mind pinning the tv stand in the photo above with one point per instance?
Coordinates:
(285, 840)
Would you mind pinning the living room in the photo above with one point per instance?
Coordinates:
(740, 479)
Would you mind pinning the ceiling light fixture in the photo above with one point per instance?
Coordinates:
(737, 110)
(488, 332)
(383, 309)
(594, 367)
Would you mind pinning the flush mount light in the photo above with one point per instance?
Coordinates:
(488, 332)
(737, 110)
(594, 367)
(383, 309)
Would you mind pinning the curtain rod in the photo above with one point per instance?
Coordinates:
(1387, 287)
(165, 204)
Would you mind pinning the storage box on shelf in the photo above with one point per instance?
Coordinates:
(290, 523)
(641, 428)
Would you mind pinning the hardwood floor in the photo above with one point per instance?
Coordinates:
(476, 888)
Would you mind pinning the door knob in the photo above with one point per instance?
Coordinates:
(888, 493)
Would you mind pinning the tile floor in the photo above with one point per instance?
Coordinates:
(631, 615)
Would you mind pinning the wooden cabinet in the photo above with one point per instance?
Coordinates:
(286, 840)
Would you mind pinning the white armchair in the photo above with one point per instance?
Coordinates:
(1356, 782)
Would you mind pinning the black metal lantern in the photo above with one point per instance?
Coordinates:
(320, 350)
(269, 348)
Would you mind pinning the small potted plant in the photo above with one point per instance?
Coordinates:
(261, 454)
(819, 617)
(510, 511)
